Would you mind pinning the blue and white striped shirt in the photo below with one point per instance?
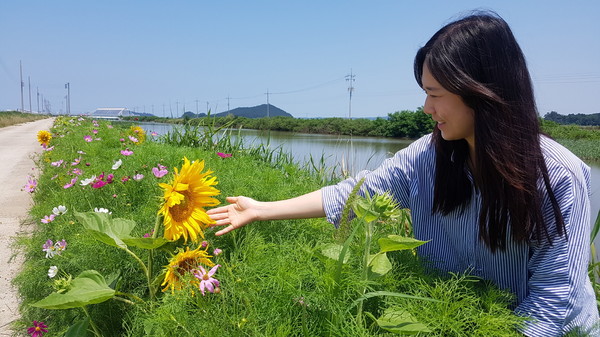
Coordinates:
(550, 282)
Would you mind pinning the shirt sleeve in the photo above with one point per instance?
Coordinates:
(559, 290)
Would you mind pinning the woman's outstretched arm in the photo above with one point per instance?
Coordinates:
(243, 210)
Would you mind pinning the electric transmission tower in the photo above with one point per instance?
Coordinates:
(350, 79)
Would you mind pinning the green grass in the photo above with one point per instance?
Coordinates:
(275, 280)
(8, 118)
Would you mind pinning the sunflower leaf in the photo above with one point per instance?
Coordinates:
(104, 228)
(88, 288)
(401, 322)
(396, 242)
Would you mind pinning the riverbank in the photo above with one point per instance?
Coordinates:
(17, 145)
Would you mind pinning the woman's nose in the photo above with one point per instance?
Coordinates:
(428, 107)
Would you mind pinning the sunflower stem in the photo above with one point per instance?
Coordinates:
(94, 327)
(149, 271)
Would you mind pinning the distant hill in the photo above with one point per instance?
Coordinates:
(258, 111)
(133, 113)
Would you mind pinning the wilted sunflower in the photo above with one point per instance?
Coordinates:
(44, 137)
(184, 201)
(185, 262)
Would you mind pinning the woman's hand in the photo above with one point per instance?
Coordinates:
(239, 212)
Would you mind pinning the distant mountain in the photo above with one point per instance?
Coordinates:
(133, 113)
(258, 111)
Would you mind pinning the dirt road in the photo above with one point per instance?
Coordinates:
(17, 145)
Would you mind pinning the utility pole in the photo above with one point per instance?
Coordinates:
(350, 79)
(176, 107)
(37, 90)
(227, 104)
(196, 107)
(68, 87)
(29, 85)
(267, 103)
(22, 85)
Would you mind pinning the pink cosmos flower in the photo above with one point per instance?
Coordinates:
(133, 139)
(126, 152)
(80, 152)
(124, 179)
(109, 126)
(206, 280)
(77, 171)
(223, 155)
(99, 184)
(69, 185)
(109, 178)
(95, 131)
(38, 329)
(121, 139)
(87, 138)
(61, 245)
(57, 163)
(217, 251)
(49, 148)
(154, 134)
(160, 171)
(48, 218)
(138, 177)
(31, 185)
(76, 161)
(53, 249)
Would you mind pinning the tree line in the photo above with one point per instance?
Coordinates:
(400, 124)
(578, 119)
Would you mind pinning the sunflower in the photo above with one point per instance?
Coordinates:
(138, 133)
(185, 262)
(184, 201)
(44, 137)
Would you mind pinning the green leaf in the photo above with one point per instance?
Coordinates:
(333, 251)
(396, 242)
(401, 322)
(380, 264)
(88, 288)
(79, 329)
(106, 229)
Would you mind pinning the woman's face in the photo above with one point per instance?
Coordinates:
(454, 118)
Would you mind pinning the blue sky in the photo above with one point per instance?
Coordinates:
(164, 56)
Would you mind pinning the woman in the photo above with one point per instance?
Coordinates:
(492, 194)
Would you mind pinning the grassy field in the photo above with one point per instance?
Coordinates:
(8, 118)
(275, 278)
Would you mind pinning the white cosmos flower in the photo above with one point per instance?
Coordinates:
(87, 181)
(52, 271)
(60, 210)
(101, 210)
(117, 164)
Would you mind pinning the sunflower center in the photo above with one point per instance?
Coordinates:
(186, 265)
(184, 209)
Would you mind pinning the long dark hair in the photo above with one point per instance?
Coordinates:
(479, 59)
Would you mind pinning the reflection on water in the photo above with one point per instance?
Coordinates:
(359, 154)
